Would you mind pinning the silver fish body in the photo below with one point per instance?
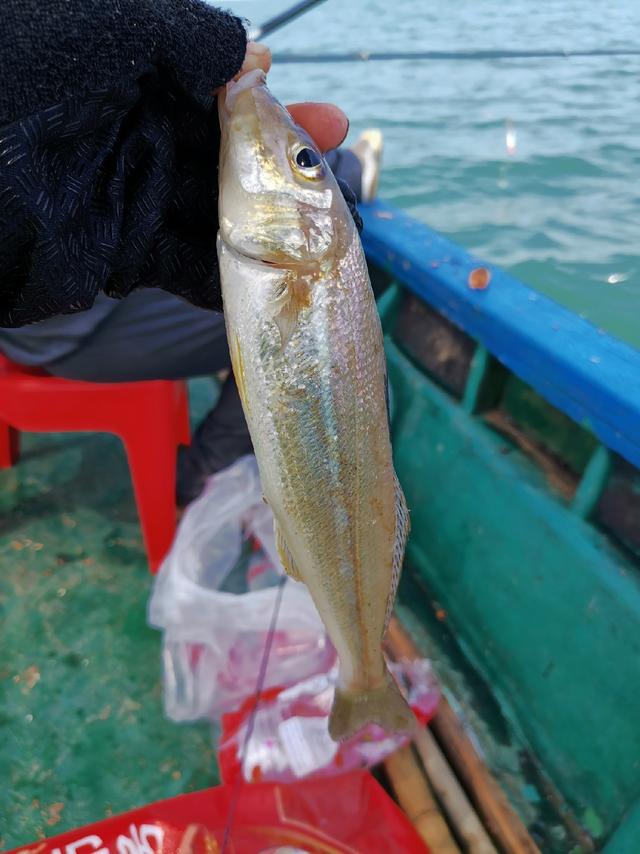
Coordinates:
(307, 352)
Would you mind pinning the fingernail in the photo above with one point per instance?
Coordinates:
(257, 56)
(257, 47)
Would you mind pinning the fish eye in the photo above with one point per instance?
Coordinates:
(307, 162)
(307, 158)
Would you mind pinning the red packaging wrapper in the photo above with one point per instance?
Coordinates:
(350, 814)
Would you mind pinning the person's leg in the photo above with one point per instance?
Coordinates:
(155, 335)
(149, 335)
(221, 438)
(345, 165)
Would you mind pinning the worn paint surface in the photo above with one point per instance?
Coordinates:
(541, 600)
(625, 839)
(490, 730)
(543, 607)
(82, 729)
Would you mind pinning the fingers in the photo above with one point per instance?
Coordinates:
(257, 56)
(326, 124)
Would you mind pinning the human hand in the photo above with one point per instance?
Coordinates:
(326, 124)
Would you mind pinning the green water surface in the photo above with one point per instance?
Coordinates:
(562, 212)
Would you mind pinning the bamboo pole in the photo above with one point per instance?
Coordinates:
(500, 818)
(457, 807)
(416, 799)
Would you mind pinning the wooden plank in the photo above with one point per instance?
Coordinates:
(455, 803)
(417, 800)
(591, 376)
(558, 477)
(499, 816)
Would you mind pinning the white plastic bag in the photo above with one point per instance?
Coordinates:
(290, 731)
(213, 638)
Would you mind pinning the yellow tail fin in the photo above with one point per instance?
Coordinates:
(384, 706)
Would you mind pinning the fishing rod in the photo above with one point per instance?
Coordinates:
(466, 55)
(283, 18)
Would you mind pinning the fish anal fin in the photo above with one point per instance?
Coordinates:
(387, 398)
(285, 555)
(402, 532)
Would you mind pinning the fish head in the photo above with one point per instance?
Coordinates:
(279, 202)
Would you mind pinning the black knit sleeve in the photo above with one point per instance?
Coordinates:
(108, 150)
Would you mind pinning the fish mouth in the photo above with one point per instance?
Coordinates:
(257, 77)
(235, 88)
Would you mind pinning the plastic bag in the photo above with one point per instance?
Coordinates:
(208, 601)
(290, 736)
(213, 600)
(352, 814)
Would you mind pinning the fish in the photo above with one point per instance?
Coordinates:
(307, 353)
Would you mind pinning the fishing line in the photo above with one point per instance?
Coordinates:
(262, 673)
(278, 21)
(446, 55)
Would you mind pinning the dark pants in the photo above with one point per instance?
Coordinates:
(345, 165)
(149, 335)
(152, 335)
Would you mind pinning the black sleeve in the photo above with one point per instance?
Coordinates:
(108, 150)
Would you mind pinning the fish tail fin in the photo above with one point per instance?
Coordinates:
(384, 706)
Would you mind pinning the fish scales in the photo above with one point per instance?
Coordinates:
(307, 351)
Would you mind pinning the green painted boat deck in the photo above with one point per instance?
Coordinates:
(82, 730)
(471, 697)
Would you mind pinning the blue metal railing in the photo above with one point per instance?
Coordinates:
(587, 374)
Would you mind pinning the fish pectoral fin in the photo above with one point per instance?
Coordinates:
(237, 363)
(294, 297)
(286, 321)
(285, 555)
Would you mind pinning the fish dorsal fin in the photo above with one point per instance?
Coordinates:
(285, 555)
(402, 532)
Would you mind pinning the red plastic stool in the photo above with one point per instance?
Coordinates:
(151, 418)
